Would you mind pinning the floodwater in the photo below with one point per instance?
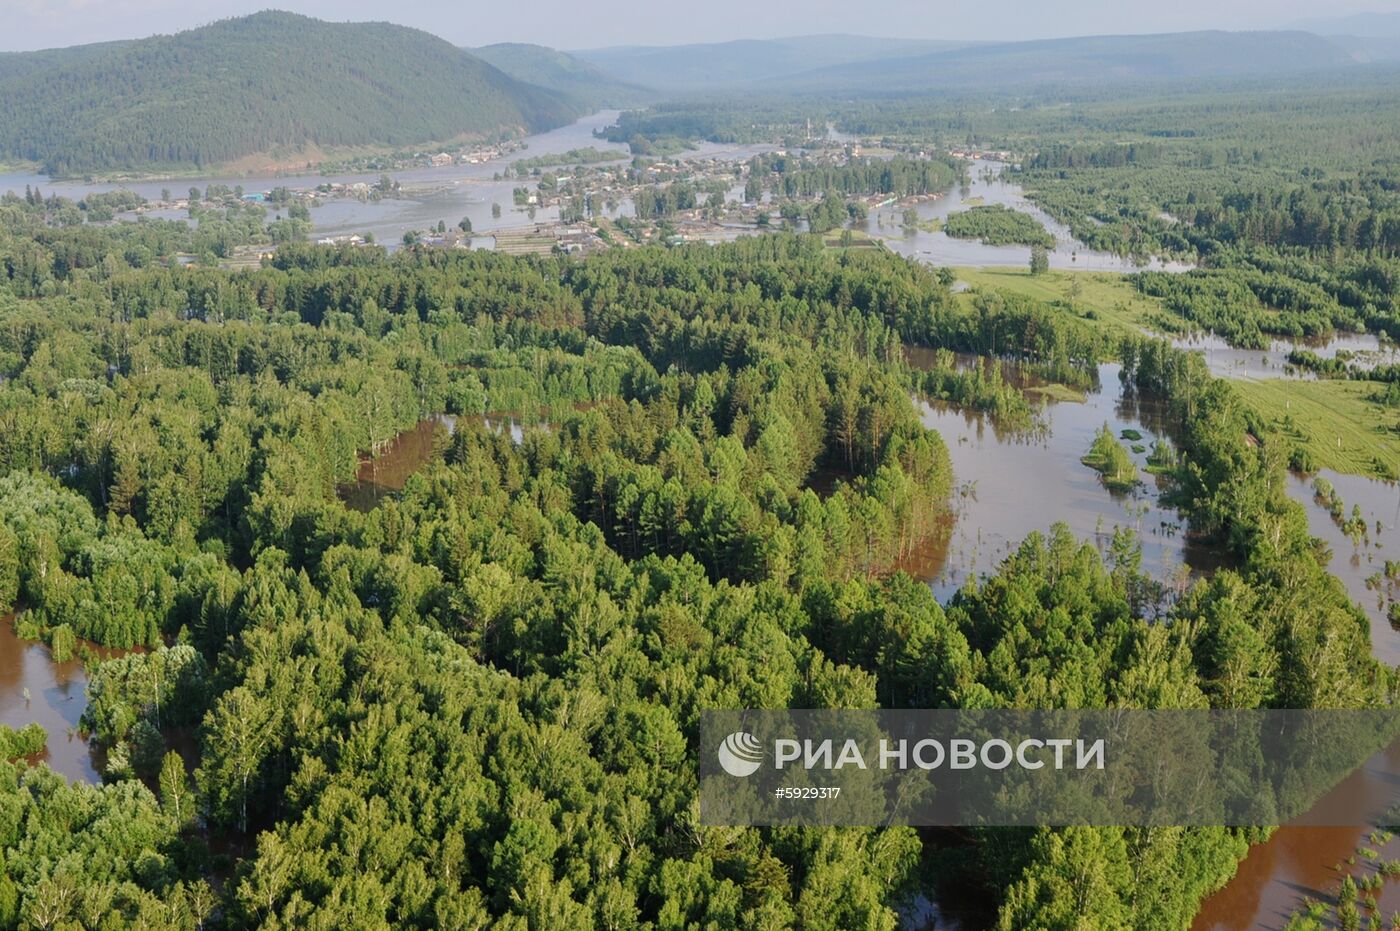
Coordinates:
(33, 688)
(1227, 361)
(430, 195)
(427, 194)
(1352, 562)
(988, 185)
(1008, 484)
(386, 474)
(1300, 862)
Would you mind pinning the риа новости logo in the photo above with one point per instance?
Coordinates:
(740, 754)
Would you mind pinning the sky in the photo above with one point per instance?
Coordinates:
(573, 24)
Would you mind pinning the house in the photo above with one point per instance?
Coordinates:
(442, 160)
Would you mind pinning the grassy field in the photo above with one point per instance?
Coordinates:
(1335, 421)
(1104, 296)
(860, 239)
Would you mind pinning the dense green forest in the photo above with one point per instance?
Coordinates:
(255, 85)
(998, 225)
(477, 703)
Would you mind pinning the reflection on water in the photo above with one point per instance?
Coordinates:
(1302, 861)
(386, 473)
(35, 689)
(1354, 562)
(1298, 862)
(1013, 484)
(990, 186)
(428, 194)
(1009, 484)
(1227, 361)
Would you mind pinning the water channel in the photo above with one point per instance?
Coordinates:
(988, 185)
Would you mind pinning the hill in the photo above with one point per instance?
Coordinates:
(744, 62)
(564, 73)
(1085, 60)
(251, 85)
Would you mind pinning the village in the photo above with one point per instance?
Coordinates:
(584, 208)
(586, 200)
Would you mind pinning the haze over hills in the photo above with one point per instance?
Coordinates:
(562, 72)
(1090, 59)
(1366, 36)
(1375, 24)
(747, 62)
(252, 85)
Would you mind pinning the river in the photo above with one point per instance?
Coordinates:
(428, 195)
(448, 194)
(1008, 485)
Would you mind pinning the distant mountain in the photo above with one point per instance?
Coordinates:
(253, 85)
(564, 73)
(1085, 60)
(1367, 37)
(746, 62)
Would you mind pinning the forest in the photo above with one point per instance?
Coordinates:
(257, 84)
(998, 225)
(477, 703)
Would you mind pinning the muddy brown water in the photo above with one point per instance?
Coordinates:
(1301, 862)
(1298, 863)
(35, 689)
(1008, 484)
(386, 474)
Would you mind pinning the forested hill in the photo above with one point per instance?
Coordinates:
(562, 72)
(251, 85)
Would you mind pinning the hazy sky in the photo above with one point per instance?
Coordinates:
(30, 24)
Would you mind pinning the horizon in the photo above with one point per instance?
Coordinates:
(50, 24)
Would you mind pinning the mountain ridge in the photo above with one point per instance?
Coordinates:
(563, 73)
(744, 62)
(253, 84)
(1085, 59)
